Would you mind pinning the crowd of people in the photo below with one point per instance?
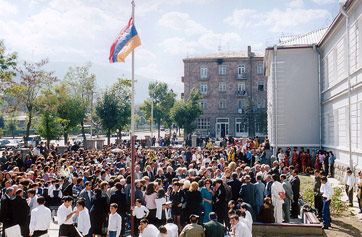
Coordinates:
(199, 191)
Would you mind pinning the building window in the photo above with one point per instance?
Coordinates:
(203, 123)
(203, 104)
(222, 86)
(241, 69)
(222, 104)
(260, 69)
(240, 104)
(241, 125)
(260, 86)
(260, 104)
(222, 70)
(203, 88)
(203, 72)
(241, 86)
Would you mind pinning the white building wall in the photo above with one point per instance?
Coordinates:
(335, 109)
(295, 109)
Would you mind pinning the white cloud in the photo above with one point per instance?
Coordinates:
(7, 8)
(178, 45)
(145, 54)
(289, 19)
(148, 70)
(278, 20)
(181, 21)
(323, 2)
(211, 41)
(296, 4)
(242, 17)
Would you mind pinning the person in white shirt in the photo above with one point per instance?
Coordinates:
(327, 193)
(276, 190)
(65, 221)
(172, 228)
(248, 217)
(349, 182)
(147, 230)
(40, 219)
(239, 229)
(83, 220)
(114, 221)
(140, 212)
(32, 202)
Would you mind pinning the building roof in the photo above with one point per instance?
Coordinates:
(305, 39)
(228, 54)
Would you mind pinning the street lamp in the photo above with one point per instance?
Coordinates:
(152, 93)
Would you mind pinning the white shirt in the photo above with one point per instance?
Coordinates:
(150, 231)
(276, 188)
(349, 180)
(115, 223)
(327, 190)
(84, 221)
(241, 230)
(40, 219)
(140, 212)
(159, 202)
(32, 203)
(172, 230)
(62, 214)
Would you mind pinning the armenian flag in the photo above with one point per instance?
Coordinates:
(126, 41)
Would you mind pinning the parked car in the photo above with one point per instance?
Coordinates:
(3, 142)
(12, 144)
(33, 140)
(79, 138)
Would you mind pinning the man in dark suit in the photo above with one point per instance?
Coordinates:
(119, 197)
(149, 173)
(295, 182)
(22, 218)
(235, 185)
(213, 228)
(248, 192)
(6, 212)
(219, 199)
(87, 194)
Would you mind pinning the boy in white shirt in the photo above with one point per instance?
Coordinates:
(327, 193)
(83, 218)
(139, 211)
(114, 221)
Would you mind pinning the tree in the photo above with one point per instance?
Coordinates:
(108, 110)
(163, 101)
(184, 114)
(122, 92)
(12, 125)
(33, 78)
(83, 85)
(48, 125)
(71, 110)
(7, 68)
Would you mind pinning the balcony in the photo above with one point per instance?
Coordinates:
(241, 93)
(243, 75)
(203, 78)
(203, 93)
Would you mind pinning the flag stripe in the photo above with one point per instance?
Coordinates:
(128, 48)
(130, 22)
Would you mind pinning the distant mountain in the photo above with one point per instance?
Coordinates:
(107, 75)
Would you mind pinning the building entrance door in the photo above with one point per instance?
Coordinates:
(222, 127)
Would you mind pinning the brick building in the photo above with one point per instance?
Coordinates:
(233, 89)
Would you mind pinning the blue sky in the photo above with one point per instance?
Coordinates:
(82, 30)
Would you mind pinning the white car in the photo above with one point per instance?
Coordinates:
(13, 143)
(79, 138)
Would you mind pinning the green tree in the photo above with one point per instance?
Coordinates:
(48, 125)
(71, 110)
(122, 91)
(108, 111)
(12, 125)
(163, 101)
(33, 78)
(83, 85)
(184, 114)
(7, 68)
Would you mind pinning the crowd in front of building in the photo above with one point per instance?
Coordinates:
(200, 191)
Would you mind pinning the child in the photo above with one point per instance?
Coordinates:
(140, 212)
(114, 221)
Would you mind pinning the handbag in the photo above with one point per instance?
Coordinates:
(282, 195)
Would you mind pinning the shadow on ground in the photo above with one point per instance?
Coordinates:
(340, 228)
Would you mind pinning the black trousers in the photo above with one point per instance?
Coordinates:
(295, 206)
(38, 233)
(67, 230)
(350, 195)
(318, 204)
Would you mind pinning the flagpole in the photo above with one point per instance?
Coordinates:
(133, 150)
